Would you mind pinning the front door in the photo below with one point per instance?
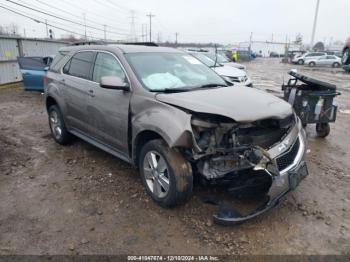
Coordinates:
(109, 109)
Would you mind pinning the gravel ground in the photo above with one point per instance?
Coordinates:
(80, 200)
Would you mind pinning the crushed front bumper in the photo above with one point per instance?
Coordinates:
(287, 179)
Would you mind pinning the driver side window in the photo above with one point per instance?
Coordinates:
(107, 65)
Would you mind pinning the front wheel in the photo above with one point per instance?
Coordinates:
(336, 65)
(301, 62)
(323, 129)
(312, 64)
(166, 175)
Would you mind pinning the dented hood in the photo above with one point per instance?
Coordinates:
(242, 104)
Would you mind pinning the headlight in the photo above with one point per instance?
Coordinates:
(227, 78)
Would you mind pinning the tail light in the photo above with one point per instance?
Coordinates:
(45, 80)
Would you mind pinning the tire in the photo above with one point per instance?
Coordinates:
(312, 64)
(300, 62)
(346, 57)
(58, 128)
(174, 169)
(335, 65)
(323, 129)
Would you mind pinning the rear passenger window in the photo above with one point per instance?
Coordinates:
(107, 65)
(80, 65)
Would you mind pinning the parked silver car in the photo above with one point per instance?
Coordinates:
(327, 60)
(175, 119)
(228, 72)
(300, 59)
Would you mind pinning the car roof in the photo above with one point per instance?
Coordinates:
(123, 48)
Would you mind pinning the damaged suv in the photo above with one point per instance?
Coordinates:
(175, 119)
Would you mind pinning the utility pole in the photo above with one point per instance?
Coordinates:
(104, 31)
(146, 33)
(84, 16)
(47, 30)
(150, 26)
(176, 35)
(132, 27)
(315, 24)
(250, 42)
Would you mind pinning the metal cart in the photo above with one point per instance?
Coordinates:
(312, 101)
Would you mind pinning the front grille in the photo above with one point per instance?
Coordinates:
(287, 159)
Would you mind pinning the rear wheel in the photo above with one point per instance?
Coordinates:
(336, 64)
(323, 129)
(166, 175)
(312, 64)
(57, 126)
(346, 57)
(300, 61)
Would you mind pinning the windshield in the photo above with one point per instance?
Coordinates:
(172, 71)
(220, 58)
(204, 59)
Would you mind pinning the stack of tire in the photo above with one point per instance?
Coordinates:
(346, 56)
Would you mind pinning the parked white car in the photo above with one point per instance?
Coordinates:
(327, 60)
(310, 55)
(223, 60)
(228, 72)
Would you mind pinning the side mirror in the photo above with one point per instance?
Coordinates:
(114, 82)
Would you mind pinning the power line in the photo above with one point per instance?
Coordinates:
(75, 15)
(64, 19)
(43, 22)
(97, 16)
(44, 19)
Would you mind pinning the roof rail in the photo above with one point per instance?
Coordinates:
(97, 42)
(101, 42)
(139, 43)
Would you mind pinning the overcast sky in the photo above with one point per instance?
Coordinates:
(221, 21)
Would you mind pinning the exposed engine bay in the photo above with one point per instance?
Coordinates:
(261, 159)
(225, 147)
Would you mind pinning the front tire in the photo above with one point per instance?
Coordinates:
(300, 62)
(323, 129)
(312, 64)
(166, 175)
(335, 65)
(58, 128)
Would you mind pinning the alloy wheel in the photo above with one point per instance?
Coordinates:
(156, 174)
(55, 125)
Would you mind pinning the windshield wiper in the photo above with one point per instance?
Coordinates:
(210, 85)
(179, 90)
(171, 90)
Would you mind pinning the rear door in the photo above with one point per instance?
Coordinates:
(322, 60)
(33, 70)
(76, 84)
(109, 109)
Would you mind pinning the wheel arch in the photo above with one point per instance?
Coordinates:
(140, 140)
(50, 101)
